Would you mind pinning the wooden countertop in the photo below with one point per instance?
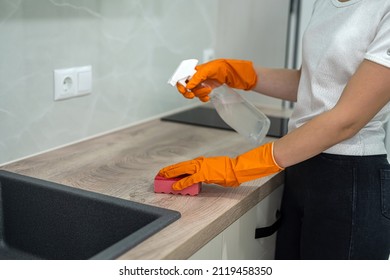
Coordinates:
(123, 164)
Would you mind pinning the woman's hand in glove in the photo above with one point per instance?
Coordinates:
(238, 74)
(224, 171)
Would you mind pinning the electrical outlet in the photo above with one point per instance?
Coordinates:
(72, 82)
(64, 83)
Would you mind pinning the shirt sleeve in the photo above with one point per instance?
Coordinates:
(379, 49)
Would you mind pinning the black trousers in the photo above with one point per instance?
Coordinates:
(336, 207)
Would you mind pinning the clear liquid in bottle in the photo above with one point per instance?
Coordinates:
(240, 114)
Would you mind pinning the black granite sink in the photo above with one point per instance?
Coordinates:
(45, 220)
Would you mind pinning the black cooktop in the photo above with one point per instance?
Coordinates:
(208, 117)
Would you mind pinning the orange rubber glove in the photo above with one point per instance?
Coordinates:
(238, 74)
(224, 171)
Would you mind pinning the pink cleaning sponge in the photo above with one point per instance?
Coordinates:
(164, 185)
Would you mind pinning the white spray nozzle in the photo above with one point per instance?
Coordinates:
(184, 71)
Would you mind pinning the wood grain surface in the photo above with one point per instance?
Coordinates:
(123, 164)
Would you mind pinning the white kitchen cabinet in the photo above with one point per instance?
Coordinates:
(211, 251)
(238, 241)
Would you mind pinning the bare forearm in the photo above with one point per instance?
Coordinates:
(278, 83)
(311, 139)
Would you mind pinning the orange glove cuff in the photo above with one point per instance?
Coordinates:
(256, 163)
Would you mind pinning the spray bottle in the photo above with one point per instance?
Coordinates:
(234, 109)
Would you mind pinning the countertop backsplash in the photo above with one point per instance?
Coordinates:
(133, 47)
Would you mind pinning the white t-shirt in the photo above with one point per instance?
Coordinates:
(340, 35)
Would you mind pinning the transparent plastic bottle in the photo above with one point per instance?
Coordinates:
(233, 108)
(240, 114)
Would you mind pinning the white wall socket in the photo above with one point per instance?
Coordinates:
(72, 82)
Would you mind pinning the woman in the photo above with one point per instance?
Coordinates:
(336, 201)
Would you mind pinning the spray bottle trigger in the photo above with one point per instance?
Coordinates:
(184, 72)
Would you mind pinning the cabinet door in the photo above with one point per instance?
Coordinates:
(239, 238)
(237, 242)
(211, 251)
